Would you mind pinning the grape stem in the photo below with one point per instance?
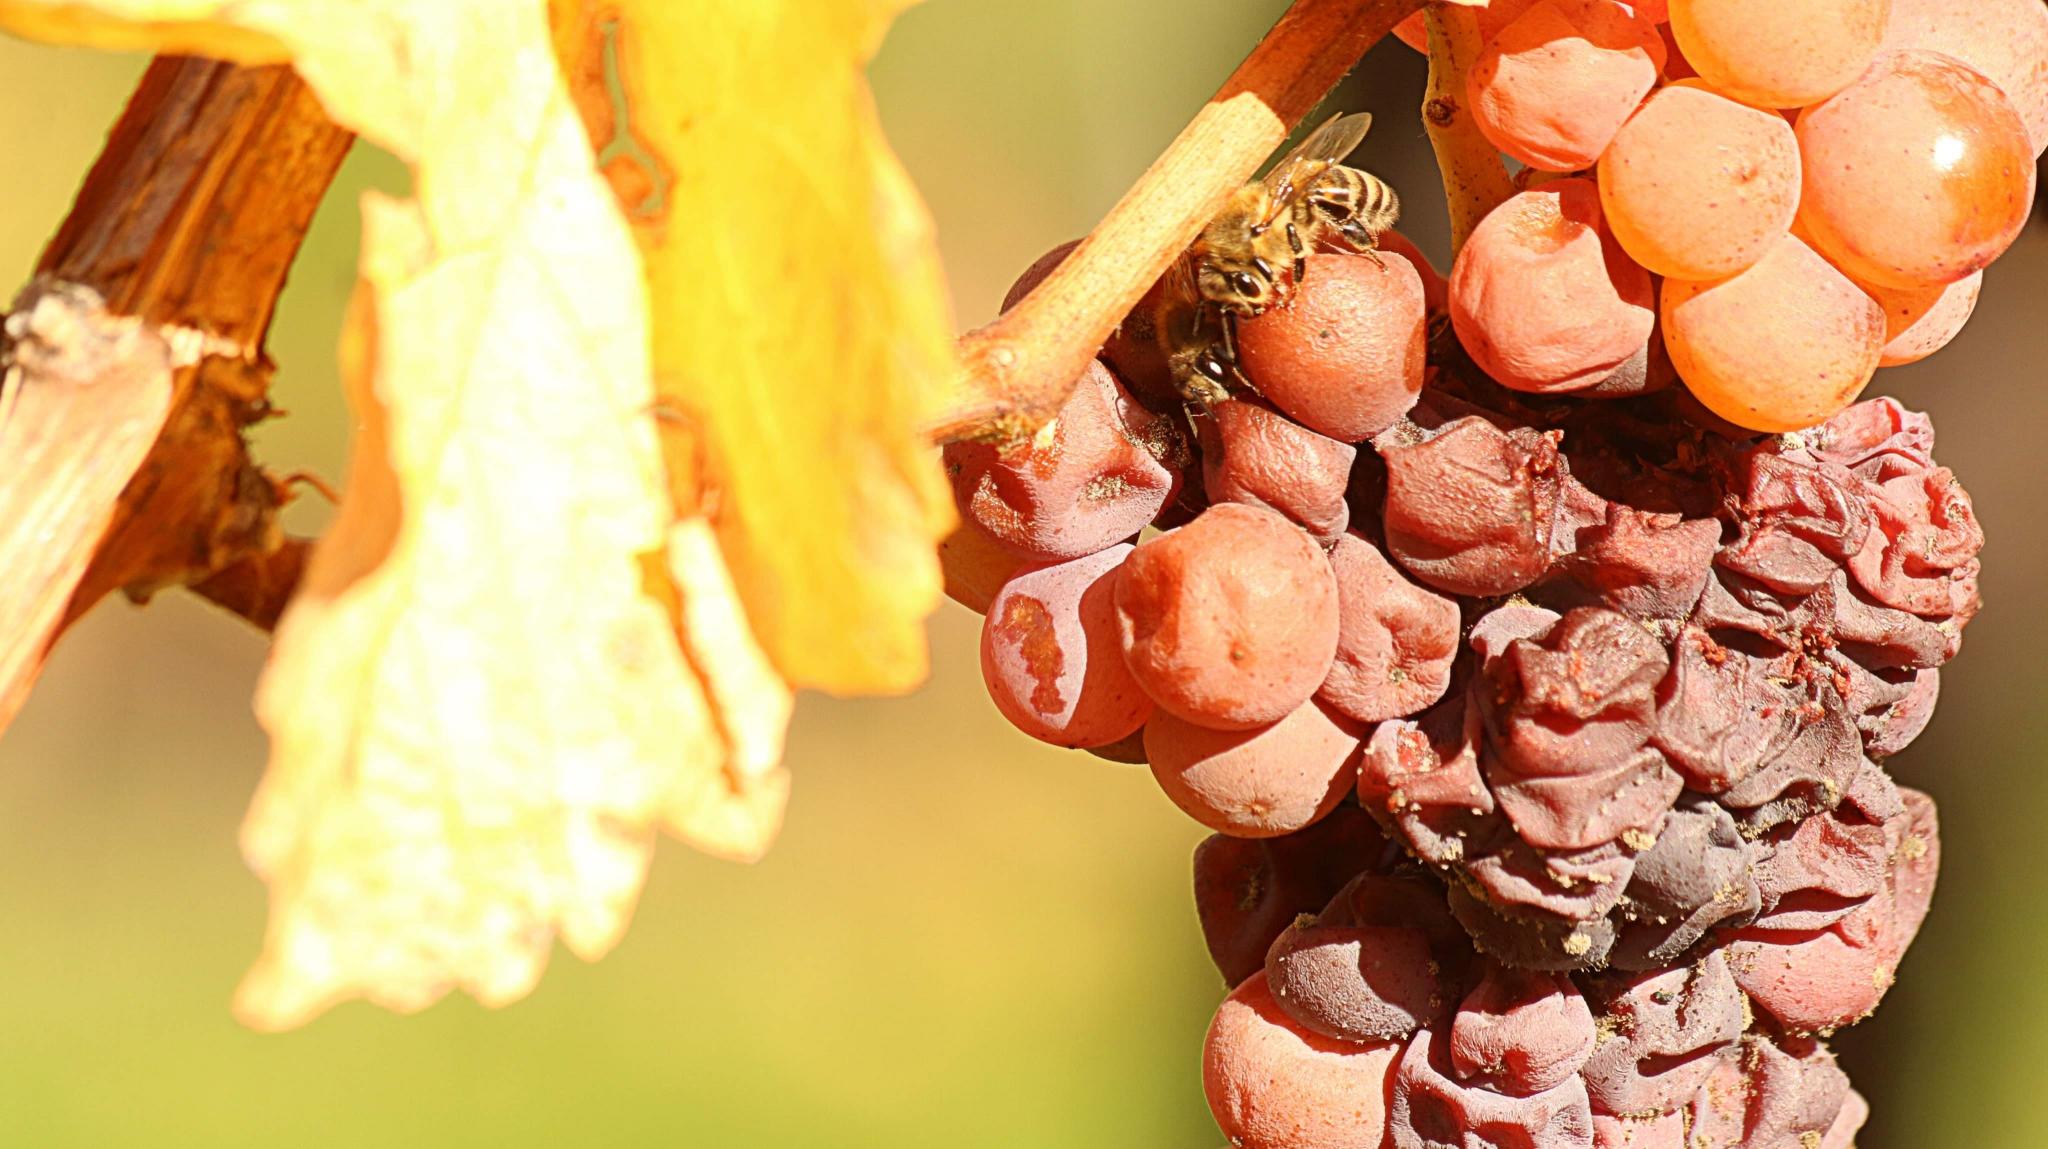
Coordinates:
(1019, 369)
(1475, 180)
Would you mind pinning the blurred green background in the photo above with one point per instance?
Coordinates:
(963, 938)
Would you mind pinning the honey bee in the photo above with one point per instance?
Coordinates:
(1251, 255)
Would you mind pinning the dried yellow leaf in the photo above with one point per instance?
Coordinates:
(510, 662)
(800, 320)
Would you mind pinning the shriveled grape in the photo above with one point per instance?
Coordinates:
(1253, 454)
(1551, 88)
(1092, 476)
(1395, 640)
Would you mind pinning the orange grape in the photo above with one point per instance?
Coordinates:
(1698, 186)
(1919, 321)
(1273, 1084)
(1231, 620)
(1259, 783)
(1779, 53)
(1344, 357)
(1780, 346)
(1917, 174)
(1553, 86)
(2007, 40)
(1543, 298)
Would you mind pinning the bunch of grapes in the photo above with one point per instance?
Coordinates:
(1533, 641)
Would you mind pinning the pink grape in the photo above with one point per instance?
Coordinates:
(1273, 1084)
(1918, 174)
(1698, 186)
(1782, 345)
(1259, 783)
(1344, 358)
(1544, 298)
(1551, 88)
(1051, 658)
(1230, 621)
(1091, 477)
(1779, 53)
(2007, 40)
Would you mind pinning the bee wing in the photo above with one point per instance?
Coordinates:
(1334, 140)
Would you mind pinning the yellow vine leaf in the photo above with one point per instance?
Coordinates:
(519, 652)
(799, 317)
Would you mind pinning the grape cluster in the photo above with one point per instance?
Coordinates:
(1539, 704)
(1789, 195)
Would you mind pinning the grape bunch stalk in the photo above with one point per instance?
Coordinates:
(1533, 640)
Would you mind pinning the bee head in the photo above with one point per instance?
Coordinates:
(1242, 286)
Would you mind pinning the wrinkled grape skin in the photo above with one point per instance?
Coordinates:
(1470, 509)
(1698, 186)
(1520, 1032)
(2007, 40)
(1272, 1084)
(1230, 621)
(1253, 454)
(1051, 657)
(1395, 640)
(1258, 783)
(1553, 86)
(1781, 346)
(1543, 298)
(1344, 357)
(1248, 890)
(1918, 174)
(1091, 477)
(1775, 54)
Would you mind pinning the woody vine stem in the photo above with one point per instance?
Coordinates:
(1018, 370)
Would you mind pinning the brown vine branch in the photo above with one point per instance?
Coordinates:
(186, 226)
(1475, 180)
(1020, 368)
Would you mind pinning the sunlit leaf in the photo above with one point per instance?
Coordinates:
(510, 663)
(798, 314)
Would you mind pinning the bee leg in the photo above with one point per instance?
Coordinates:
(1366, 243)
(1230, 359)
